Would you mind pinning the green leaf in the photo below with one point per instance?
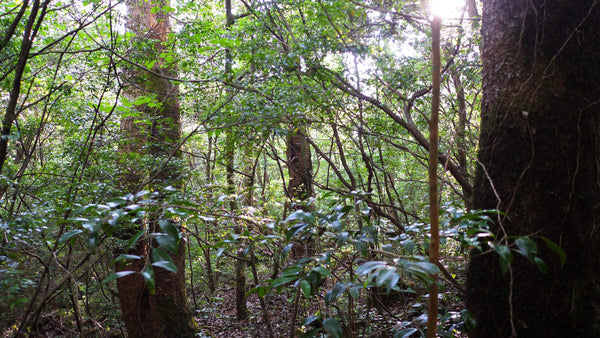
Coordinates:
(333, 327)
(219, 252)
(305, 286)
(283, 280)
(372, 232)
(163, 260)
(468, 320)
(148, 274)
(169, 228)
(126, 257)
(142, 100)
(263, 290)
(557, 249)
(298, 214)
(504, 253)
(116, 275)
(367, 267)
(167, 242)
(384, 274)
(342, 238)
(405, 333)
(309, 320)
(540, 264)
(428, 267)
(68, 235)
(322, 271)
(526, 247)
(133, 240)
(337, 290)
(361, 247)
(291, 271)
(287, 249)
(295, 229)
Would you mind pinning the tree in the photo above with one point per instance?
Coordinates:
(36, 16)
(155, 131)
(539, 165)
(240, 263)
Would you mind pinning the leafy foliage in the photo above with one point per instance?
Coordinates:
(356, 76)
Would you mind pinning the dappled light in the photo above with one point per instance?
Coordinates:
(310, 168)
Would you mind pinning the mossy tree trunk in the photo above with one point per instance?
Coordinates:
(154, 132)
(540, 165)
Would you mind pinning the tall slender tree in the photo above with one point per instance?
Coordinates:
(539, 164)
(230, 144)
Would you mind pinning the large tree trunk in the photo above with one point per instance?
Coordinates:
(164, 313)
(540, 165)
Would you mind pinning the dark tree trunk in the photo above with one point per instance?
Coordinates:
(300, 166)
(540, 165)
(137, 308)
(461, 131)
(300, 187)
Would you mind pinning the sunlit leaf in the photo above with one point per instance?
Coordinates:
(126, 257)
(370, 266)
(163, 259)
(405, 333)
(69, 235)
(116, 275)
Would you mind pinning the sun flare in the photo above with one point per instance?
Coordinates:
(447, 9)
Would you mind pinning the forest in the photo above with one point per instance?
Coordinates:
(300, 168)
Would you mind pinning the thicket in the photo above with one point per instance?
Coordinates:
(353, 78)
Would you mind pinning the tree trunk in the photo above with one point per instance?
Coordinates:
(300, 187)
(461, 131)
(540, 165)
(11, 112)
(300, 166)
(164, 313)
(240, 263)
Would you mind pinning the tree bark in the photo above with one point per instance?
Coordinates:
(165, 312)
(461, 131)
(300, 166)
(540, 165)
(300, 187)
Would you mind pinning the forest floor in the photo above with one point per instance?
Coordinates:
(373, 316)
(216, 317)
